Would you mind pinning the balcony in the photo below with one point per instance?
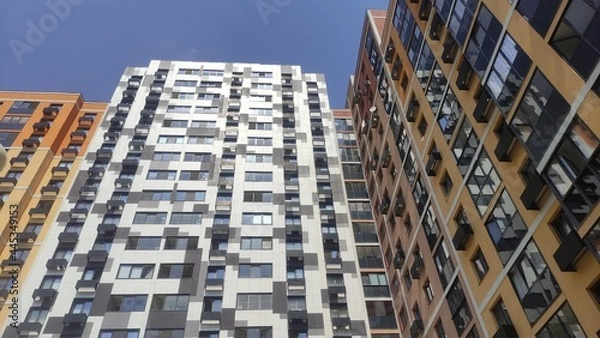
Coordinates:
(39, 212)
(31, 142)
(27, 238)
(464, 76)
(505, 144)
(399, 259)
(41, 126)
(97, 256)
(78, 137)
(8, 183)
(86, 286)
(69, 152)
(569, 252)
(123, 183)
(30, 329)
(384, 205)
(461, 236)
(68, 237)
(424, 10)
(533, 192)
(50, 191)
(416, 268)
(481, 108)
(115, 205)
(450, 49)
(86, 121)
(44, 295)
(106, 228)
(96, 172)
(432, 163)
(57, 264)
(19, 162)
(74, 323)
(9, 263)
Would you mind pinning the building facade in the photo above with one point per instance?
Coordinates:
(212, 203)
(46, 136)
(475, 123)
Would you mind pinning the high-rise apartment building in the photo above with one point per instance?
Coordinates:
(45, 136)
(476, 127)
(213, 203)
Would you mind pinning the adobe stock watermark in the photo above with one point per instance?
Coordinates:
(59, 10)
(267, 7)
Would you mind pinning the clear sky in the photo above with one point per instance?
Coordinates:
(84, 45)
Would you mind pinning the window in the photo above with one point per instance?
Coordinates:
(13, 122)
(446, 184)
(461, 18)
(127, 303)
(255, 271)
(175, 270)
(183, 96)
(508, 72)
(369, 257)
(183, 195)
(364, 232)
(356, 190)
(260, 98)
(434, 94)
(465, 145)
(49, 282)
(166, 156)
(506, 227)
(449, 114)
(295, 273)
(261, 111)
(201, 140)
(483, 182)
(500, 314)
(479, 264)
(256, 243)
(296, 304)
(206, 110)
(381, 315)
(36, 315)
(254, 301)
(539, 116)
(439, 329)
(424, 66)
(179, 109)
(81, 305)
(193, 175)
(135, 271)
(186, 218)
(352, 171)
(119, 334)
(349, 155)
(260, 141)
(443, 263)
(143, 243)
(258, 196)
(197, 157)
(255, 218)
(259, 158)
(150, 218)
(415, 44)
(156, 195)
(181, 243)
(164, 333)
(485, 36)
(209, 96)
(360, 210)
(7, 139)
(346, 139)
(375, 285)
(204, 124)
(562, 324)
(534, 283)
(461, 314)
(212, 72)
(576, 38)
(161, 174)
(262, 85)
(175, 123)
(253, 332)
(431, 227)
(260, 126)
(187, 71)
(428, 291)
(258, 176)
(170, 302)
(266, 75)
(210, 84)
(22, 107)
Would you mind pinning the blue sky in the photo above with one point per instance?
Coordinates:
(84, 45)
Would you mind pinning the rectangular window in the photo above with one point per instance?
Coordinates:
(360, 210)
(259, 158)
(197, 157)
(356, 190)
(262, 85)
(210, 84)
(166, 156)
(260, 126)
(161, 174)
(193, 175)
(189, 195)
(483, 182)
(143, 243)
(127, 303)
(176, 271)
(260, 141)
(465, 146)
(485, 36)
(443, 263)
(479, 264)
(186, 218)
(352, 171)
(181, 243)
(260, 98)
(183, 96)
(212, 72)
(258, 176)
(188, 71)
(256, 243)
(255, 271)
(461, 314)
(150, 218)
(169, 139)
(179, 109)
(257, 218)
(201, 140)
(258, 196)
(534, 283)
(185, 83)
(254, 301)
(506, 227)
(156, 195)
(23, 107)
(13, 122)
(206, 110)
(204, 124)
(170, 302)
(265, 75)
(209, 96)
(562, 324)
(135, 271)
